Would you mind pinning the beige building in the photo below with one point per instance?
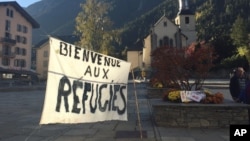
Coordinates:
(43, 52)
(42, 59)
(15, 39)
(134, 55)
(165, 32)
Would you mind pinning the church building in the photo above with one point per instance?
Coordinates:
(179, 33)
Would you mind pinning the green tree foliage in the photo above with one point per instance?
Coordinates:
(239, 35)
(239, 32)
(235, 61)
(215, 17)
(94, 27)
(223, 47)
(216, 21)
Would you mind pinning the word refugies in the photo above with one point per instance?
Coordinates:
(93, 93)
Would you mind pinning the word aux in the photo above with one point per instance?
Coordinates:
(96, 72)
(92, 94)
(239, 132)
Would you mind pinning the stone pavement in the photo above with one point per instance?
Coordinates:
(20, 113)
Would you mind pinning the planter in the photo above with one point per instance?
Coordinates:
(191, 115)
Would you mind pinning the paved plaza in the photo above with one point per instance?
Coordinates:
(20, 113)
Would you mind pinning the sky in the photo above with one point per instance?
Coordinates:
(23, 3)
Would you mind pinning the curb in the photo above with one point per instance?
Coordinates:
(24, 88)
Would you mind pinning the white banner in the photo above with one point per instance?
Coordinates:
(84, 86)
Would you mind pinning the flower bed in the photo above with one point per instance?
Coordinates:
(170, 109)
(205, 96)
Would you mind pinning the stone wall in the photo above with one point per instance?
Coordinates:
(192, 115)
(155, 92)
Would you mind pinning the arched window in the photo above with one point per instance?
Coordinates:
(154, 41)
(166, 41)
(160, 43)
(171, 43)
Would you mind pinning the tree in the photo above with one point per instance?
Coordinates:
(239, 35)
(224, 47)
(176, 66)
(239, 32)
(94, 27)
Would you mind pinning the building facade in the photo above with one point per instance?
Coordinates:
(15, 39)
(42, 54)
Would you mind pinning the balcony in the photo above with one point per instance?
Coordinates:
(7, 41)
(7, 54)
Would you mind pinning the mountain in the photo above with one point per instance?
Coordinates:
(57, 17)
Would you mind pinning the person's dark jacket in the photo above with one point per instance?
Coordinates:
(248, 94)
(234, 87)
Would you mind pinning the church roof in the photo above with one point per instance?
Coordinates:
(185, 12)
(162, 17)
(184, 8)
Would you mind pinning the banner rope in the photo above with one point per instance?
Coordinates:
(137, 106)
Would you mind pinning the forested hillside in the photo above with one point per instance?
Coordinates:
(57, 17)
(214, 19)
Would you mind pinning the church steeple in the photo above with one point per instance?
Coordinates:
(184, 7)
(185, 19)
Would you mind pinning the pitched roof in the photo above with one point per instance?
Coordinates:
(22, 12)
(164, 17)
(185, 12)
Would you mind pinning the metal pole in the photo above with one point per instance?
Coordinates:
(137, 106)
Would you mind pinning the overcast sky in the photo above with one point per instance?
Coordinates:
(23, 3)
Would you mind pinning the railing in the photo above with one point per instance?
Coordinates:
(7, 54)
(8, 40)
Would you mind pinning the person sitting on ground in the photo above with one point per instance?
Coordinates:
(238, 84)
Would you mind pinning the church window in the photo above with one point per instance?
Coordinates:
(165, 24)
(166, 41)
(186, 20)
(171, 43)
(154, 40)
(160, 43)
